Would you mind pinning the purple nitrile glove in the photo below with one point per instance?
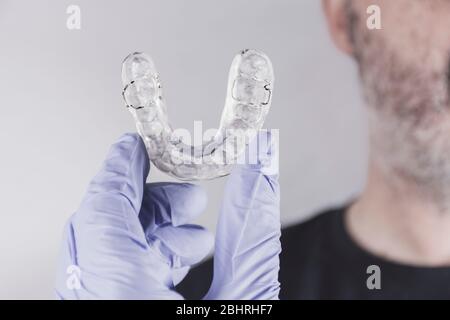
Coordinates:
(132, 240)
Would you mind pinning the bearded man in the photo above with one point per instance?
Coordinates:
(393, 241)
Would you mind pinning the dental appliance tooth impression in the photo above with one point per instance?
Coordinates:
(248, 100)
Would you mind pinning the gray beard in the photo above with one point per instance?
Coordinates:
(416, 156)
(409, 117)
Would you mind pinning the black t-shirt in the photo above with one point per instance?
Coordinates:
(319, 260)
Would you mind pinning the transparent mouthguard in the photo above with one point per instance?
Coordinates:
(248, 101)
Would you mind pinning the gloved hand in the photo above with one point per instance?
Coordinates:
(247, 247)
(131, 240)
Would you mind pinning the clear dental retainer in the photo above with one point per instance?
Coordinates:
(248, 100)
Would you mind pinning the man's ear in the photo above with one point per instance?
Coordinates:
(339, 24)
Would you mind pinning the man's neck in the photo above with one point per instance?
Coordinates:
(396, 221)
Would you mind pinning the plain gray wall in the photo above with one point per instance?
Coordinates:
(62, 108)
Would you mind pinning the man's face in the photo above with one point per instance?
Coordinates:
(405, 70)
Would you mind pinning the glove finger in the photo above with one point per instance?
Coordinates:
(181, 247)
(247, 246)
(114, 197)
(184, 245)
(173, 203)
(124, 172)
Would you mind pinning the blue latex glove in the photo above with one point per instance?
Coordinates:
(132, 240)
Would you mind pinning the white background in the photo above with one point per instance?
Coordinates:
(61, 107)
